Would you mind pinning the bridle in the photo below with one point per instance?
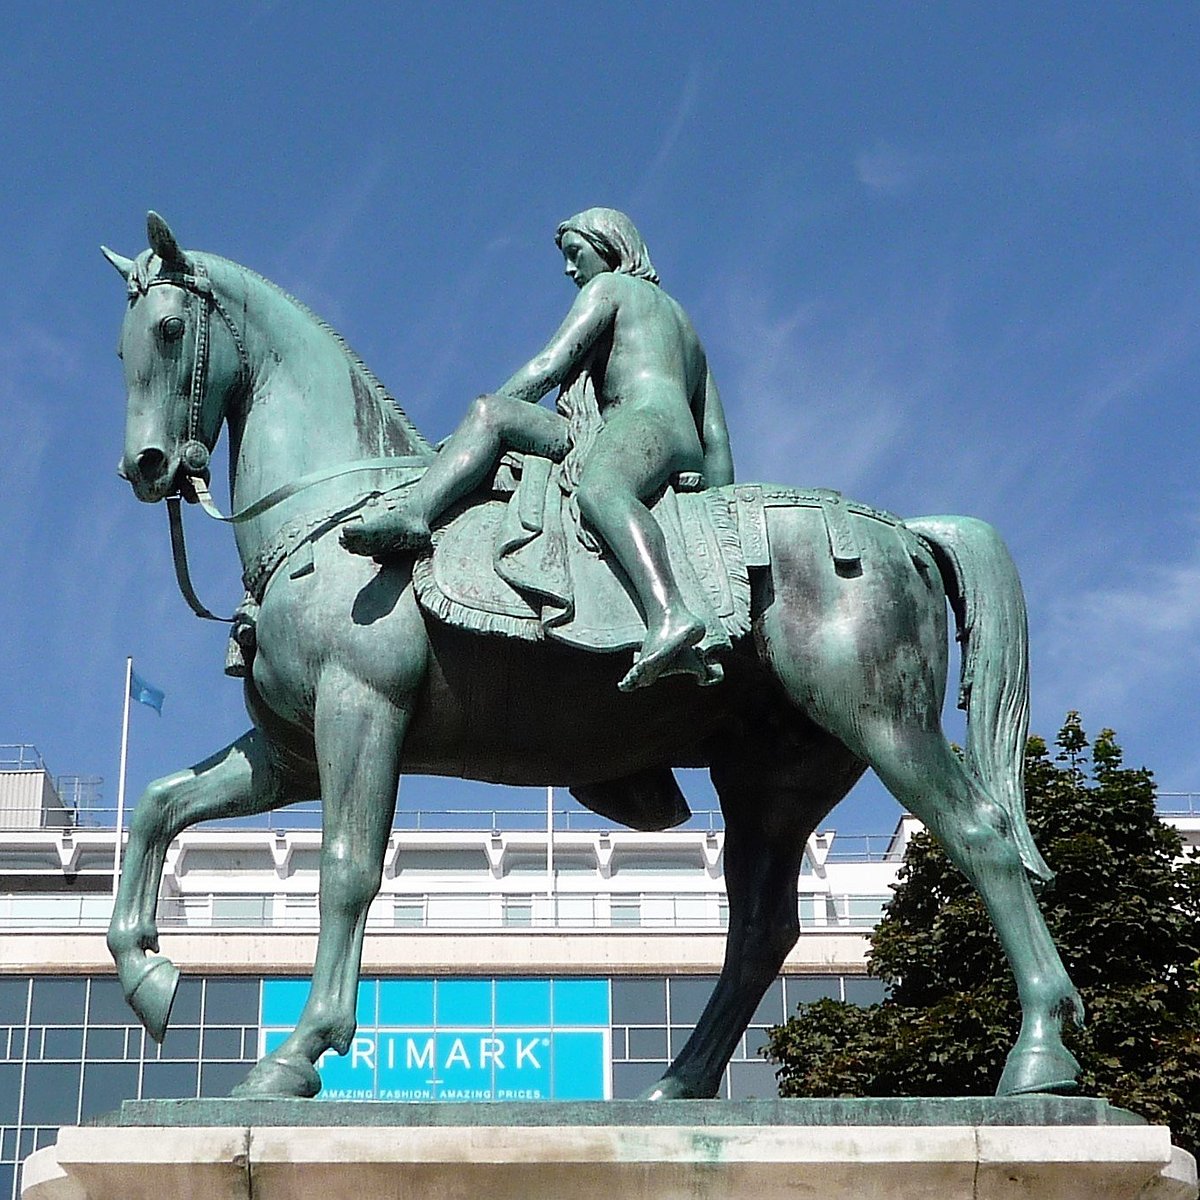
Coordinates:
(195, 454)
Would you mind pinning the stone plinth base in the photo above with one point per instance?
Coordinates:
(835, 1150)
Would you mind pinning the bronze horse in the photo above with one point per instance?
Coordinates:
(351, 682)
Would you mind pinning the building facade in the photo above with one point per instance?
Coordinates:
(509, 955)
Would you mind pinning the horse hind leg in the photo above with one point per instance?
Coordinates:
(239, 781)
(772, 798)
(922, 772)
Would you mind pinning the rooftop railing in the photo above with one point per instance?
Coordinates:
(438, 911)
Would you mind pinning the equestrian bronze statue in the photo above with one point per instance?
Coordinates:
(511, 598)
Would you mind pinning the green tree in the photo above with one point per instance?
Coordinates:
(1124, 911)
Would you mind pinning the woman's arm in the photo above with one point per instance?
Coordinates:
(714, 437)
(590, 315)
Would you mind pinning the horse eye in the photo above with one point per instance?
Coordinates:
(171, 328)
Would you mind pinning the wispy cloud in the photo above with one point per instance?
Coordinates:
(888, 168)
(685, 108)
(1125, 650)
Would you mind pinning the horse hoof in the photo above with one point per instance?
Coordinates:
(1040, 1069)
(153, 995)
(280, 1078)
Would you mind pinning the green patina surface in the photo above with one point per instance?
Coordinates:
(348, 681)
(952, 1110)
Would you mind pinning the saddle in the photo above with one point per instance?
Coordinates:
(522, 565)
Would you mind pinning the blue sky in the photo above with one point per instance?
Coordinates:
(944, 258)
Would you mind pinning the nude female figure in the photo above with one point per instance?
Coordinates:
(661, 415)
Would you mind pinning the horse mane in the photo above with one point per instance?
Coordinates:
(389, 405)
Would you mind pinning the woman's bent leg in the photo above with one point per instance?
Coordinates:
(492, 425)
(632, 460)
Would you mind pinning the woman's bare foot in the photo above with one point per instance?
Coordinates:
(387, 531)
(662, 646)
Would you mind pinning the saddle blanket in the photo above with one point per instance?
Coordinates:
(520, 567)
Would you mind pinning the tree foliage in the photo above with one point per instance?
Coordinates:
(1124, 911)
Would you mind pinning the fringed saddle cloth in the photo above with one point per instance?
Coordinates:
(527, 567)
(523, 567)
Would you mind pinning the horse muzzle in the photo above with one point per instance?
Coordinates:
(151, 473)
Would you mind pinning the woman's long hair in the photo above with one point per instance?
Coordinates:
(615, 238)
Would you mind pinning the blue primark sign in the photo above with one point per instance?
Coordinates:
(462, 1039)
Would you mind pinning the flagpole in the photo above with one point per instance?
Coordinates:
(121, 779)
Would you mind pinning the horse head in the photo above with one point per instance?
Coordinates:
(181, 365)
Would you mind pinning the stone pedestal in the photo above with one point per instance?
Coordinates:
(679, 1150)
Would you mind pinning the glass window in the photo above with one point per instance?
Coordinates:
(410, 914)
(618, 1045)
(169, 1081)
(581, 1002)
(106, 1043)
(865, 911)
(464, 1002)
(51, 1093)
(16, 1042)
(688, 998)
(626, 912)
(752, 1081)
(630, 1080)
(10, 1092)
(639, 1001)
(804, 989)
(219, 1079)
(523, 1002)
(863, 991)
(230, 1001)
(107, 1005)
(648, 1043)
(180, 1043)
(770, 1007)
(518, 911)
(756, 1039)
(242, 912)
(63, 1043)
(58, 1001)
(105, 1085)
(224, 1044)
(135, 1041)
(14, 999)
(7, 1178)
(186, 1009)
(679, 1037)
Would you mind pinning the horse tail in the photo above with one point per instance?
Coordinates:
(985, 593)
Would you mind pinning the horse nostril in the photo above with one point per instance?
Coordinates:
(151, 463)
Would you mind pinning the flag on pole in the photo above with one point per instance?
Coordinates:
(145, 693)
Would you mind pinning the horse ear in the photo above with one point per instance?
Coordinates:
(163, 243)
(122, 264)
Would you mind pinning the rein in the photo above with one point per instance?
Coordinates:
(195, 454)
(199, 493)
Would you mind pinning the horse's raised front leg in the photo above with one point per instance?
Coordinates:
(239, 781)
(359, 734)
(922, 772)
(771, 803)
